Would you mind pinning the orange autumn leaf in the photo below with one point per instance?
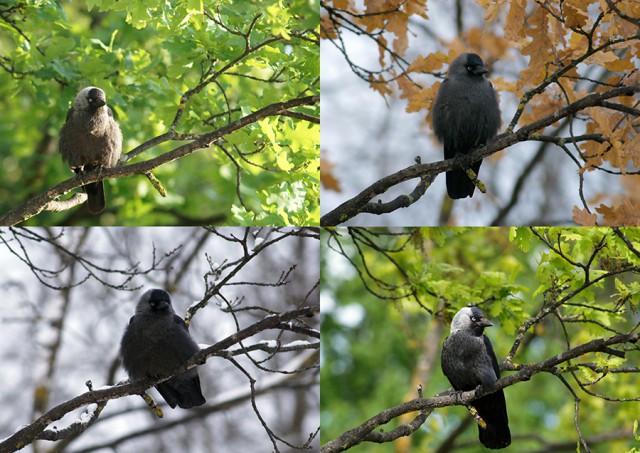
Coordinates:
(378, 84)
(542, 105)
(327, 179)
(342, 4)
(575, 13)
(398, 22)
(626, 213)
(430, 63)
(515, 19)
(418, 7)
(418, 98)
(327, 28)
(584, 217)
(539, 49)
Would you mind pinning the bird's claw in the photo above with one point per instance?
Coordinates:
(463, 161)
(476, 182)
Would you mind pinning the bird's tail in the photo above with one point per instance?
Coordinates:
(182, 390)
(96, 201)
(459, 185)
(493, 410)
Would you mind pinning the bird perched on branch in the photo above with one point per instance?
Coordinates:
(465, 116)
(157, 341)
(90, 138)
(468, 361)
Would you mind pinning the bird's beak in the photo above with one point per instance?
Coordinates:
(159, 304)
(479, 70)
(98, 102)
(484, 322)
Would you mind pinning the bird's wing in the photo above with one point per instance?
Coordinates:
(69, 114)
(180, 322)
(492, 355)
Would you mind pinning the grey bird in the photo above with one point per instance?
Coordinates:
(468, 361)
(157, 341)
(91, 138)
(465, 116)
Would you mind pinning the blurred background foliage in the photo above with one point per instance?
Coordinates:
(388, 296)
(145, 56)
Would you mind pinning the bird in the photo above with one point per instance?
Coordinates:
(90, 138)
(468, 361)
(157, 341)
(465, 116)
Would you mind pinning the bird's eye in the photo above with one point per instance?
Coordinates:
(469, 68)
(474, 319)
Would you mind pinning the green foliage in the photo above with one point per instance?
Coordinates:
(225, 59)
(375, 350)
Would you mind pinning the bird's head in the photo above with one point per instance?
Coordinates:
(467, 64)
(154, 300)
(90, 98)
(470, 319)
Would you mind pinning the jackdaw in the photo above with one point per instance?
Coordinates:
(157, 341)
(468, 361)
(465, 116)
(90, 138)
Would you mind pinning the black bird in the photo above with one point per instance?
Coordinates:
(468, 361)
(157, 341)
(91, 138)
(465, 116)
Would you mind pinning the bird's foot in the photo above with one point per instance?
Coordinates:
(476, 182)
(152, 405)
(89, 168)
(463, 161)
(476, 416)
